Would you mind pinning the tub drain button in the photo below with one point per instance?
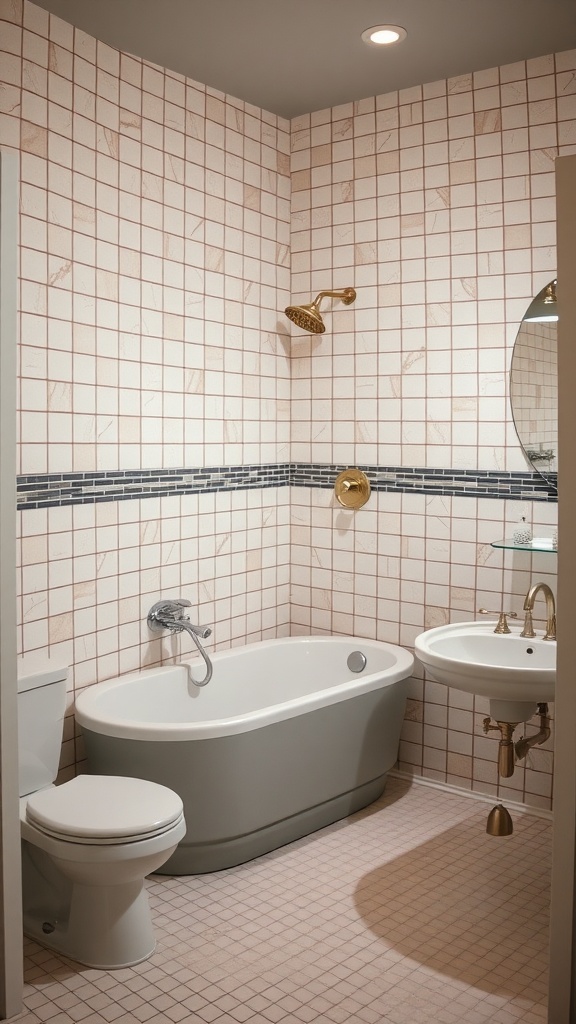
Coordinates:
(356, 661)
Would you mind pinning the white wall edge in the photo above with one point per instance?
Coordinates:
(485, 798)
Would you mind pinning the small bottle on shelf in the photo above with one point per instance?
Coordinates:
(522, 534)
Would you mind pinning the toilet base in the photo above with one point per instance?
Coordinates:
(103, 926)
(119, 931)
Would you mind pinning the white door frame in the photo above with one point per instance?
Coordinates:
(11, 970)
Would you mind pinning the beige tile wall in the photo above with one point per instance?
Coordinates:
(408, 562)
(154, 257)
(155, 263)
(437, 204)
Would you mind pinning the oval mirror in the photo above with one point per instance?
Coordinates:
(534, 384)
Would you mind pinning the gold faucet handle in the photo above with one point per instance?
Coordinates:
(502, 624)
(352, 488)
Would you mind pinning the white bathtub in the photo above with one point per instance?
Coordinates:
(284, 740)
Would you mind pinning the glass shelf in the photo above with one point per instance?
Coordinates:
(538, 544)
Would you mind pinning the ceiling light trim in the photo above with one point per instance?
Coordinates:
(383, 35)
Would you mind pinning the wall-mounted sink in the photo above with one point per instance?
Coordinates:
(513, 672)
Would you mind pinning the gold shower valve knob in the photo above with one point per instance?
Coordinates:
(352, 488)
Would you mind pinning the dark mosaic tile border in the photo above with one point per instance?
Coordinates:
(48, 490)
(472, 483)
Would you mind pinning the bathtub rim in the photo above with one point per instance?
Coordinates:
(87, 716)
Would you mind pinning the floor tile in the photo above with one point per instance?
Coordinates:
(404, 913)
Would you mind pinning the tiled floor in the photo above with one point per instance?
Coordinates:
(405, 913)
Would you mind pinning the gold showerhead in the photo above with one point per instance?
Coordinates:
(308, 317)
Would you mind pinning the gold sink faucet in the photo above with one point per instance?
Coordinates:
(528, 630)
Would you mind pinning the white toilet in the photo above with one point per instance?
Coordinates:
(88, 844)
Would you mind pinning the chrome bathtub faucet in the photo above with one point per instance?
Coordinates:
(170, 615)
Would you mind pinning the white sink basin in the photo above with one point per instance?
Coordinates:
(513, 672)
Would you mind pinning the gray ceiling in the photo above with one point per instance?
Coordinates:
(295, 56)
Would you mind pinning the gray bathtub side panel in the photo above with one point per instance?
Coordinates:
(236, 785)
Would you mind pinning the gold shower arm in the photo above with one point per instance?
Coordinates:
(308, 317)
(346, 294)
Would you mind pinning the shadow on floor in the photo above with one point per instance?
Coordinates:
(468, 906)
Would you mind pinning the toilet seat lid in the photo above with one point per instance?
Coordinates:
(104, 808)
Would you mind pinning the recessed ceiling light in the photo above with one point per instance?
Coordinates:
(383, 35)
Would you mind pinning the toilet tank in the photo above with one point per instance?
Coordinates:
(41, 708)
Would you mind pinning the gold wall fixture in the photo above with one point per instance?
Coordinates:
(506, 755)
(499, 822)
(544, 307)
(352, 488)
(525, 743)
(308, 317)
